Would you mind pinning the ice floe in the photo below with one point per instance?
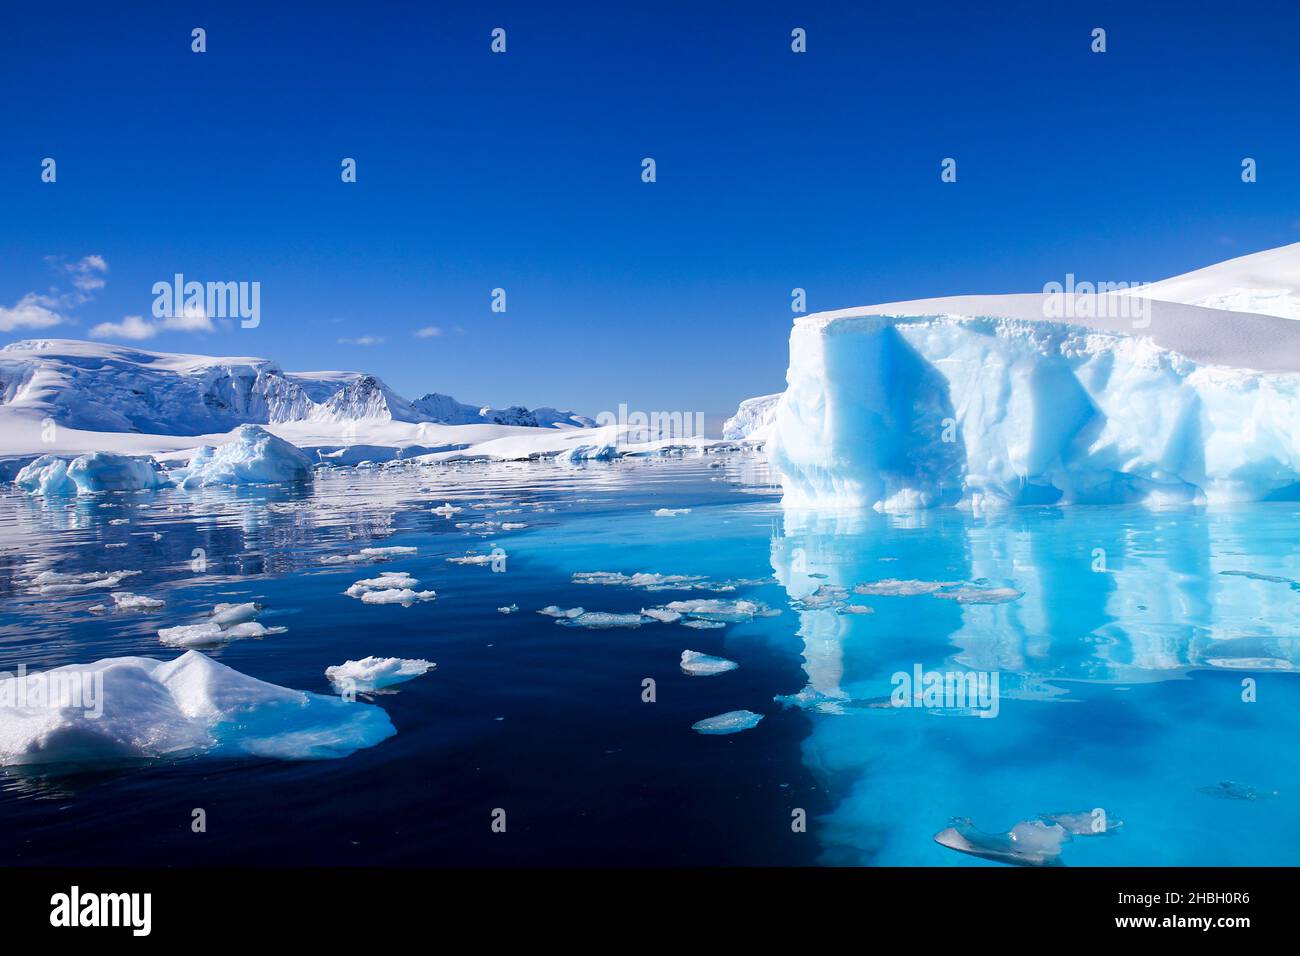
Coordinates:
(732, 722)
(87, 474)
(670, 512)
(1029, 843)
(374, 673)
(553, 610)
(1096, 822)
(126, 601)
(144, 709)
(601, 619)
(55, 582)
(1228, 790)
(368, 555)
(892, 587)
(397, 587)
(227, 622)
(981, 595)
(698, 664)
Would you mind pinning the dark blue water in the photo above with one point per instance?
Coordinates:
(1121, 686)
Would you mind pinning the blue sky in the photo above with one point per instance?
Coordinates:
(522, 171)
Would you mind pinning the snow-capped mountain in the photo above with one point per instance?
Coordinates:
(1011, 399)
(92, 386)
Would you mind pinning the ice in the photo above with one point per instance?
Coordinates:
(670, 512)
(732, 722)
(981, 595)
(717, 609)
(189, 706)
(661, 614)
(1228, 790)
(508, 609)
(224, 615)
(1030, 843)
(1083, 822)
(988, 401)
(513, 525)
(404, 596)
(254, 457)
(703, 665)
(367, 555)
(892, 587)
(703, 625)
(126, 601)
(395, 579)
(227, 622)
(87, 474)
(472, 559)
(600, 619)
(605, 452)
(373, 673)
(644, 579)
(446, 510)
(555, 611)
(56, 582)
(753, 419)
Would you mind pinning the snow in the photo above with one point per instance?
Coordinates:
(704, 665)
(373, 673)
(126, 601)
(1267, 283)
(154, 710)
(254, 457)
(732, 722)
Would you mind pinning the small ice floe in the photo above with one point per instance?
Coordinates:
(132, 710)
(732, 722)
(670, 512)
(893, 587)
(981, 595)
(227, 622)
(824, 597)
(54, 582)
(1096, 822)
(704, 665)
(661, 615)
(815, 700)
(1227, 790)
(396, 588)
(721, 609)
(856, 609)
(601, 619)
(508, 609)
(513, 525)
(642, 579)
(366, 555)
(374, 673)
(119, 521)
(702, 625)
(1029, 843)
(446, 510)
(126, 601)
(555, 611)
(1271, 578)
(472, 559)
(116, 544)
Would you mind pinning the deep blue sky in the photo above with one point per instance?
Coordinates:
(522, 170)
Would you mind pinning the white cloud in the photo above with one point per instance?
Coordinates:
(428, 332)
(191, 319)
(32, 311)
(87, 273)
(131, 327)
(363, 340)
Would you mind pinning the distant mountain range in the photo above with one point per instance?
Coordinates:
(109, 388)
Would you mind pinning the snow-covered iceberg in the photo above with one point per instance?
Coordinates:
(254, 457)
(127, 709)
(88, 474)
(753, 419)
(1029, 399)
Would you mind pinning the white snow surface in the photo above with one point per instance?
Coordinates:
(987, 401)
(373, 673)
(152, 710)
(753, 419)
(255, 457)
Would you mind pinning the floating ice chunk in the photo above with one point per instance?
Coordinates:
(600, 619)
(403, 596)
(702, 625)
(732, 722)
(1084, 822)
(397, 579)
(663, 615)
(224, 615)
(87, 474)
(720, 609)
(604, 452)
(555, 611)
(1030, 843)
(472, 559)
(46, 476)
(250, 629)
(373, 673)
(55, 582)
(446, 510)
(119, 521)
(856, 609)
(509, 609)
(704, 665)
(1227, 790)
(254, 457)
(976, 595)
(892, 587)
(192, 705)
(206, 634)
(670, 512)
(126, 601)
(513, 525)
(644, 579)
(388, 552)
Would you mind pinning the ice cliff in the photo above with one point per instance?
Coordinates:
(987, 401)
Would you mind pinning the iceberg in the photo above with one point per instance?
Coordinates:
(374, 673)
(705, 665)
(255, 457)
(1030, 843)
(732, 722)
(990, 401)
(753, 419)
(153, 710)
(88, 474)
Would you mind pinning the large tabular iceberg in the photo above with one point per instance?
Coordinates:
(254, 457)
(87, 474)
(1032, 399)
(127, 709)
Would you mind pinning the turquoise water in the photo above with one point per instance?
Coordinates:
(1119, 669)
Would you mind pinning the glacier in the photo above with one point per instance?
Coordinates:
(991, 401)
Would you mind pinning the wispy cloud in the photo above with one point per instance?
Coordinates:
(428, 332)
(132, 327)
(42, 311)
(363, 340)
